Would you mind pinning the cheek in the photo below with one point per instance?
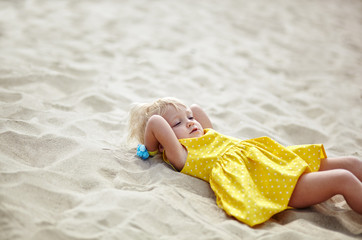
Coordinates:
(177, 132)
(180, 133)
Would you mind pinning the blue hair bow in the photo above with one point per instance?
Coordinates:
(142, 152)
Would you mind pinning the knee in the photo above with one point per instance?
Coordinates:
(342, 174)
(344, 178)
(353, 162)
(353, 159)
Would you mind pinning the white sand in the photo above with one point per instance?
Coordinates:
(69, 71)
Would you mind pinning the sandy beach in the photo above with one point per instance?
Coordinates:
(70, 71)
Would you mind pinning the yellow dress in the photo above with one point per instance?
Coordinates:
(252, 179)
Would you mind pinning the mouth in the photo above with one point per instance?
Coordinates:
(194, 130)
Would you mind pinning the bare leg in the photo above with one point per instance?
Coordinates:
(316, 187)
(352, 164)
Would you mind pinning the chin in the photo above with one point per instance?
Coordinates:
(199, 133)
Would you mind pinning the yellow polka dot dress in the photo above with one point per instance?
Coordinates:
(252, 179)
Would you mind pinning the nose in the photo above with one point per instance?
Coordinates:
(190, 123)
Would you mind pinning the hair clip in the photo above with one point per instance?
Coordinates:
(142, 152)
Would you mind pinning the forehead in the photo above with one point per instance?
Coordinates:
(171, 111)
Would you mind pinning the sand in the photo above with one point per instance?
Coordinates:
(70, 70)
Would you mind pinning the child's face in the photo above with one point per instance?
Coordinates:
(183, 123)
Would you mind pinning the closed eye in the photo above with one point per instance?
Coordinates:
(178, 123)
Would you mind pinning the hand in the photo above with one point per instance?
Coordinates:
(201, 116)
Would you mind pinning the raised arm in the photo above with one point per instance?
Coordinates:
(201, 116)
(158, 132)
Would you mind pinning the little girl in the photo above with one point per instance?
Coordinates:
(252, 179)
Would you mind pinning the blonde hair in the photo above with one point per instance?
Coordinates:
(141, 112)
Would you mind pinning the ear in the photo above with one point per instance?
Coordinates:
(160, 148)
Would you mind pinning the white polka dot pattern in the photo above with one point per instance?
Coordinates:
(252, 179)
